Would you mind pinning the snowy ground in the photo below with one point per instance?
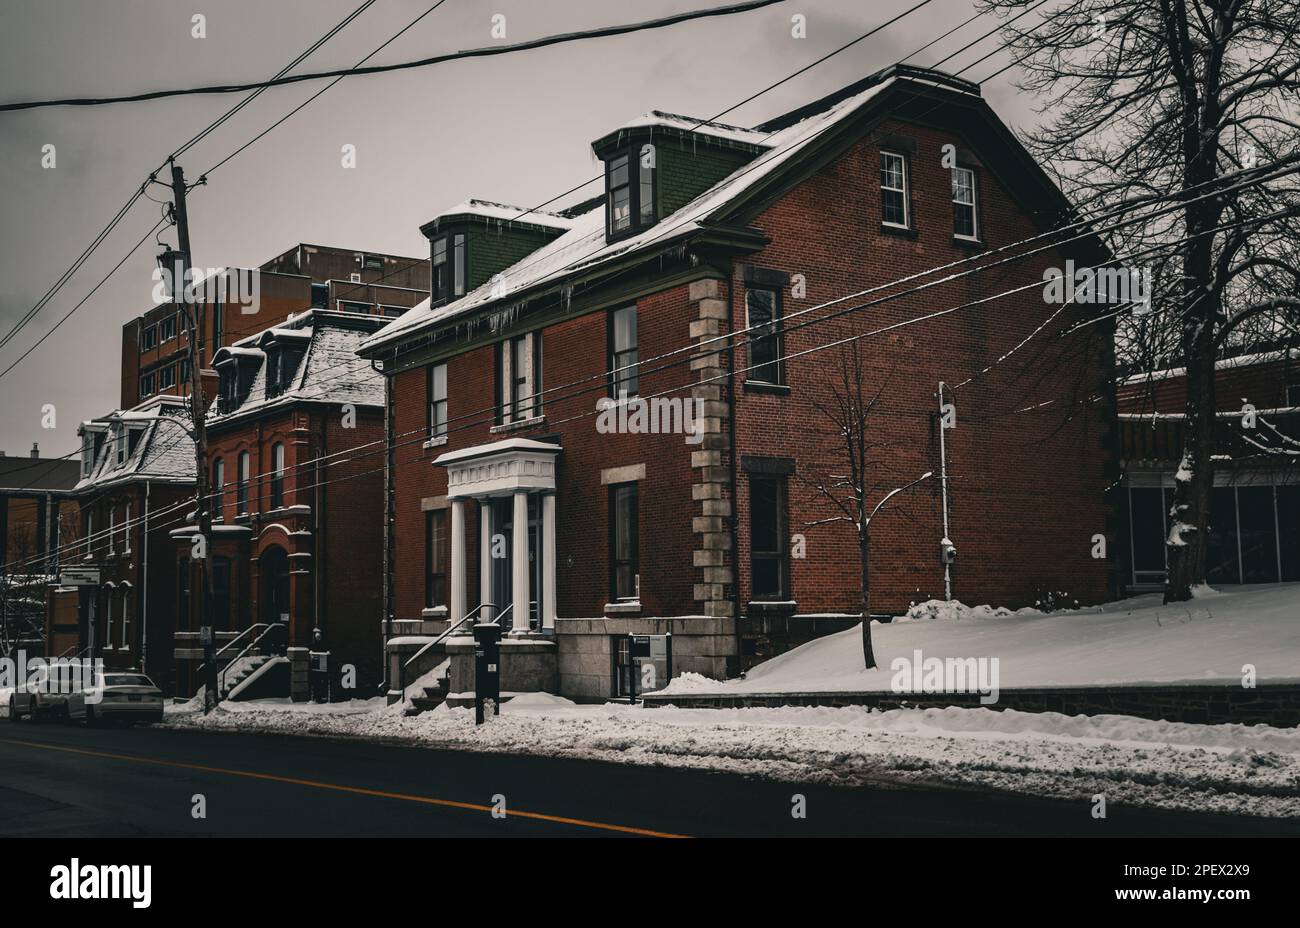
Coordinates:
(1225, 768)
(1135, 640)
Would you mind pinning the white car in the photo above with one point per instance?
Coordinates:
(38, 698)
(117, 697)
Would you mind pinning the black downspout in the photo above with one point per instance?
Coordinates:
(735, 497)
(389, 513)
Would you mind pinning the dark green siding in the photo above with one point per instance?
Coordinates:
(494, 247)
(686, 170)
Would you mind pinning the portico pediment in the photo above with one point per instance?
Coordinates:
(499, 468)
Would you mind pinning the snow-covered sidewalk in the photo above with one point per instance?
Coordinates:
(1224, 768)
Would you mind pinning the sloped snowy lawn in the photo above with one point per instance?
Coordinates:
(1226, 768)
(1136, 640)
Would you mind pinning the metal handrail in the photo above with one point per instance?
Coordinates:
(401, 672)
(231, 643)
(221, 677)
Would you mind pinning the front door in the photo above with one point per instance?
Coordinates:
(502, 557)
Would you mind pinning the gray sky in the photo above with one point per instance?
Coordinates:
(514, 128)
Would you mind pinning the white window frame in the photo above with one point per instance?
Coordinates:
(973, 204)
(907, 206)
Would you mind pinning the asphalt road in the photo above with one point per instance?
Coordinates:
(59, 780)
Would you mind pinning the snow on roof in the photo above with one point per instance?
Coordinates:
(164, 452)
(584, 246)
(1245, 360)
(330, 371)
(506, 213)
(657, 119)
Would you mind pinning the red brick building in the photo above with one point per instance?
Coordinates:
(715, 535)
(137, 481)
(155, 345)
(295, 461)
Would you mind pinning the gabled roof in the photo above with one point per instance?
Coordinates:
(164, 452)
(791, 142)
(330, 370)
(657, 121)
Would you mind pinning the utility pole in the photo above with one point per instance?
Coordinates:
(193, 312)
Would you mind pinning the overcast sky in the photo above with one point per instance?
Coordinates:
(515, 128)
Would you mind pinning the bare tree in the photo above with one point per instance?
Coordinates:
(859, 477)
(22, 595)
(1195, 100)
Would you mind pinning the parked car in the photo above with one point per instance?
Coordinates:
(40, 697)
(117, 697)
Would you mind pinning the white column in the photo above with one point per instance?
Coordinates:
(458, 606)
(485, 559)
(549, 572)
(519, 559)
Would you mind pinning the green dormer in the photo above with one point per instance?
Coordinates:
(656, 164)
(472, 242)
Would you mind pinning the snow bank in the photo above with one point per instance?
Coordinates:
(1133, 641)
(1226, 768)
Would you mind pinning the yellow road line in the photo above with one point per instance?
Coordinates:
(356, 790)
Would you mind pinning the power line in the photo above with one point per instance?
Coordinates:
(485, 52)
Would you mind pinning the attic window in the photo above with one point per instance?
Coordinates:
(630, 200)
(449, 267)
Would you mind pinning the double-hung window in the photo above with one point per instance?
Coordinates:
(435, 558)
(449, 267)
(630, 191)
(519, 378)
(277, 476)
(769, 565)
(893, 190)
(624, 546)
(437, 400)
(241, 488)
(218, 488)
(766, 338)
(623, 352)
(965, 222)
(167, 377)
(146, 384)
(148, 338)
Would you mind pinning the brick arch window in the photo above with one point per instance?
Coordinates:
(241, 488)
(277, 476)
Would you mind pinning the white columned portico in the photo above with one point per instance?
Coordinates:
(512, 468)
(548, 559)
(519, 563)
(458, 604)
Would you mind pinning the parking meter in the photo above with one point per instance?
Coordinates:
(487, 669)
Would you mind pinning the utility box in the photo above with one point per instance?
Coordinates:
(487, 669)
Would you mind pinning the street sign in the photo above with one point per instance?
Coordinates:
(205, 636)
(79, 576)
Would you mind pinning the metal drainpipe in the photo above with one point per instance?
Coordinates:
(144, 583)
(735, 497)
(387, 585)
(318, 535)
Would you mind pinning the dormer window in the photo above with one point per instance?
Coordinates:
(449, 267)
(119, 443)
(630, 191)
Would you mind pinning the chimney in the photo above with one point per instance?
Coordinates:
(36, 450)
